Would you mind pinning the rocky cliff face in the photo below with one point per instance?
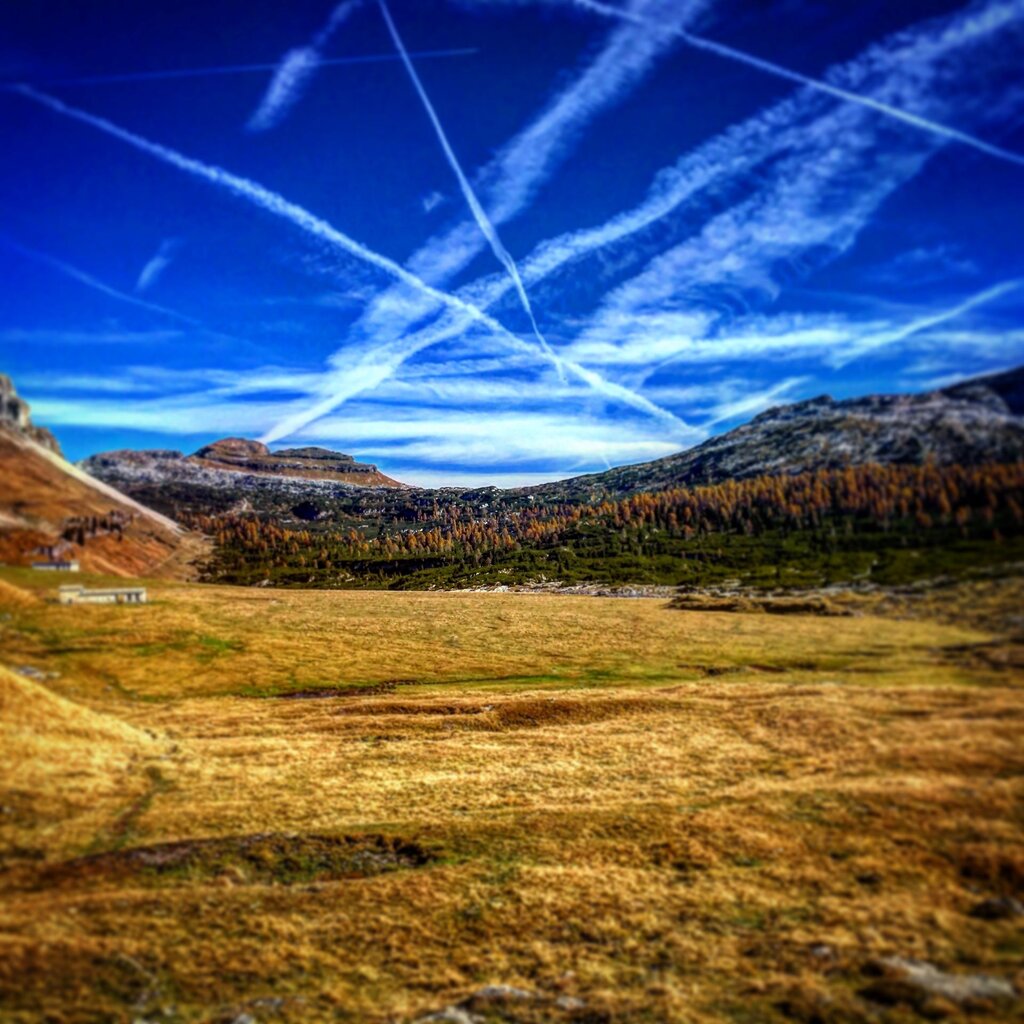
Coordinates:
(15, 416)
(240, 455)
(980, 420)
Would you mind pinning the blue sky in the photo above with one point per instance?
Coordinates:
(580, 234)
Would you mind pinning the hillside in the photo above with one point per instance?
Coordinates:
(50, 508)
(980, 420)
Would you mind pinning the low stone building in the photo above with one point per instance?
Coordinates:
(57, 565)
(73, 594)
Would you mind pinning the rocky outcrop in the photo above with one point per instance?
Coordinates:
(239, 454)
(237, 463)
(15, 416)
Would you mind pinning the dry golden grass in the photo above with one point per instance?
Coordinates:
(659, 813)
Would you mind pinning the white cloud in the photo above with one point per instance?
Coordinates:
(432, 200)
(157, 264)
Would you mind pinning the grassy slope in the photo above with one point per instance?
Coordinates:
(656, 811)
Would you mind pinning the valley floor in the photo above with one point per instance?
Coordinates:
(248, 805)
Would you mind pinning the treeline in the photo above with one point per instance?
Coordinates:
(828, 508)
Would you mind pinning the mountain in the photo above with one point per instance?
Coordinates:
(51, 509)
(979, 420)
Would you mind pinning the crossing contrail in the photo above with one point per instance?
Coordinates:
(240, 69)
(271, 202)
(741, 56)
(278, 206)
(376, 367)
(479, 214)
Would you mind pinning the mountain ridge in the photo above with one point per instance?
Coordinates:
(973, 421)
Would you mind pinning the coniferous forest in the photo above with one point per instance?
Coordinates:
(868, 522)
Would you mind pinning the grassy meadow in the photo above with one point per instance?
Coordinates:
(249, 805)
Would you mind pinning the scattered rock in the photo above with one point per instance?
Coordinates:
(998, 909)
(710, 600)
(499, 994)
(31, 672)
(822, 951)
(449, 1015)
(485, 1002)
(917, 983)
(569, 1003)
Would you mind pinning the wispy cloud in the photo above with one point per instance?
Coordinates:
(169, 74)
(893, 336)
(925, 264)
(836, 340)
(823, 173)
(753, 402)
(905, 67)
(512, 179)
(267, 200)
(563, 440)
(522, 166)
(59, 336)
(157, 264)
(292, 77)
(432, 200)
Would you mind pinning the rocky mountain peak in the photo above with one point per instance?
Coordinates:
(16, 417)
(234, 448)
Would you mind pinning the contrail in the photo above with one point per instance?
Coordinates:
(730, 53)
(898, 334)
(486, 227)
(240, 69)
(278, 206)
(92, 282)
(295, 71)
